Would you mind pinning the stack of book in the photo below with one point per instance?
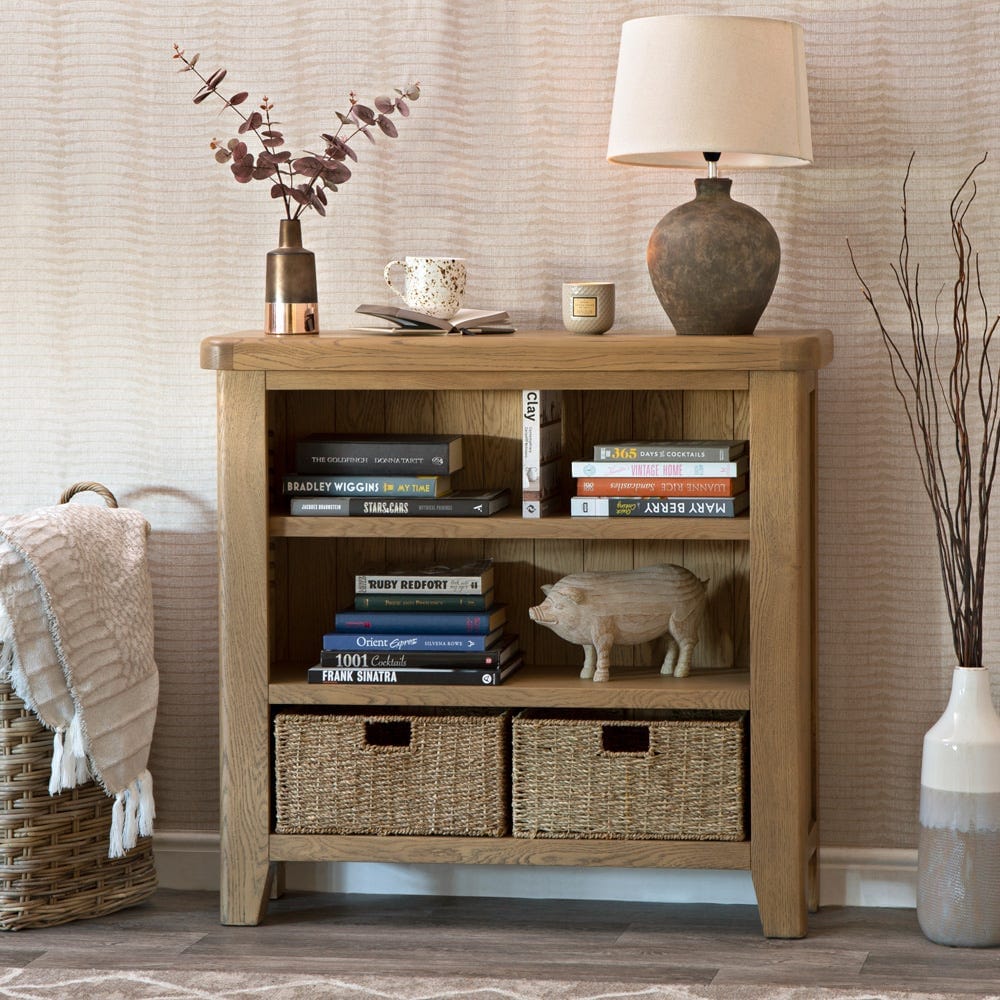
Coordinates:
(420, 625)
(663, 479)
(541, 452)
(384, 475)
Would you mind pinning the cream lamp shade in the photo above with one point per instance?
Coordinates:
(729, 92)
(688, 85)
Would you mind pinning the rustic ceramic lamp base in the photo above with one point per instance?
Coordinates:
(290, 300)
(713, 262)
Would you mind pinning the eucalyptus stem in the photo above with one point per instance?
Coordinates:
(316, 173)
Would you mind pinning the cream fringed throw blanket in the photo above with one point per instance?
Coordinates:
(76, 627)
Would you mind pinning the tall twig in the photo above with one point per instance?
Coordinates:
(952, 406)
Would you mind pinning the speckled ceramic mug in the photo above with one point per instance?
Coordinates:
(434, 285)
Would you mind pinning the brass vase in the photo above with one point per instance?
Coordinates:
(290, 305)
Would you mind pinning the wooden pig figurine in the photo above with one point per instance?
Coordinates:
(600, 610)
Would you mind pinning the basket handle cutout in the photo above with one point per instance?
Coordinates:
(624, 738)
(395, 733)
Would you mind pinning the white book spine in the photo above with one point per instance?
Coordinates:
(541, 433)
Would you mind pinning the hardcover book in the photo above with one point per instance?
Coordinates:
(690, 487)
(479, 676)
(669, 451)
(541, 449)
(370, 486)
(455, 622)
(419, 578)
(659, 506)
(406, 454)
(416, 641)
(546, 481)
(495, 656)
(660, 470)
(542, 508)
(423, 602)
(458, 503)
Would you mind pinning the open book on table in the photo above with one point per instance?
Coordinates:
(465, 320)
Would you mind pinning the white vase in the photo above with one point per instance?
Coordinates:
(958, 883)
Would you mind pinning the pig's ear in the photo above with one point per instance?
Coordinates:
(576, 594)
(546, 587)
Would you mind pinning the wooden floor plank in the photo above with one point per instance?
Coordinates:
(550, 940)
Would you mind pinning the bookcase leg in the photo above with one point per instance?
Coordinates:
(244, 893)
(782, 905)
(812, 879)
(277, 880)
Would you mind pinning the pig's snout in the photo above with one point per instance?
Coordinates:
(537, 614)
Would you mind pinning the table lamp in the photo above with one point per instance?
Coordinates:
(730, 92)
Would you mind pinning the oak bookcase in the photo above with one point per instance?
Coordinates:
(282, 577)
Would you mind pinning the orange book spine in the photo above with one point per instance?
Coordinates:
(660, 487)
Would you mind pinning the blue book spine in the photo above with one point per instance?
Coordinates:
(437, 622)
(373, 640)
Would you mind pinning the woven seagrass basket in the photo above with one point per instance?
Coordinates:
(425, 772)
(54, 864)
(634, 776)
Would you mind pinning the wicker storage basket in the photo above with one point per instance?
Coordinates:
(428, 772)
(54, 865)
(629, 775)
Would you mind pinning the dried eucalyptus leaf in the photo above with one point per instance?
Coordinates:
(387, 126)
(238, 98)
(215, 79)
(362, 114)
(384, 104)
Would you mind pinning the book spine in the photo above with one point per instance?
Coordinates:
(646, 507)
(341, 659)
(451, 602)
(403, 507)
(541, 450)
(681, 451)
(387, 642)
(661, 487)
(455, 675)
(658, 470)
(453, 622)
(353, 457)
(321, 507)
(546, 482)
(375, 486)
(542, 508)
(370, 583)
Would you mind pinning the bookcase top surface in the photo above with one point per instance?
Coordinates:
(536, 351)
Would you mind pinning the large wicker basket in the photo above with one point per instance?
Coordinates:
(54, 865)
(630, 775)
(427, 772)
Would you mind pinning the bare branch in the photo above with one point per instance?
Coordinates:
(958, 477)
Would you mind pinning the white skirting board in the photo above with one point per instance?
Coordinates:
(849, 876)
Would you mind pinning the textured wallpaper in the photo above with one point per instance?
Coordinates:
(124, 244)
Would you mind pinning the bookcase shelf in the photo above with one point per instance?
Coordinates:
(282, 577)
(510, 524)
(733, 855)
(532, 686)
